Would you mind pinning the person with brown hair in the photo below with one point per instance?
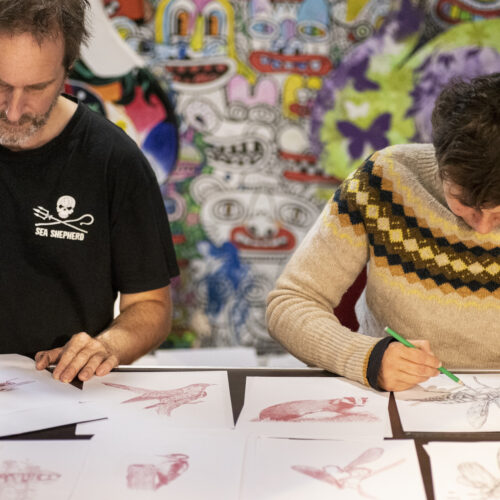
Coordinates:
(82, 213)
(425, 221)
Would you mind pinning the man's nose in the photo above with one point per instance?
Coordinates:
(485, 223)
(14, 109)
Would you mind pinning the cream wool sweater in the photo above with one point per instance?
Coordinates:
(429, 275)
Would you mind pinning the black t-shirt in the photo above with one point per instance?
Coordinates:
(81, 218)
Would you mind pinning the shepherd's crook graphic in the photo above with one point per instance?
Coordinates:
(44, 214)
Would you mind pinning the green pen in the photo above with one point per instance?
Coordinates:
(409, 344)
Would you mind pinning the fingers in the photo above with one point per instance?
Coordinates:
(84, 355)
(404, 367)
(45, 358)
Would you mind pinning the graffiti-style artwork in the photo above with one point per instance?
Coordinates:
(331, 410)
(472, 405)
(12, 385)
(318, 469)
(19, 480)
(321, 408)
(167, 400)
(154, 476)
(450, 12)
(251, 113)
(350, 476)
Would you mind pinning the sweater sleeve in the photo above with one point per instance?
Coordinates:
(300, 308)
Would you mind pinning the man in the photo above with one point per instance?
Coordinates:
(424, 219)
(82, 214)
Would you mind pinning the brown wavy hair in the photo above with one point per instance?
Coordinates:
(48, 19)
(466, 137)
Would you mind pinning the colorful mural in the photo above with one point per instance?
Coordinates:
(252, 111)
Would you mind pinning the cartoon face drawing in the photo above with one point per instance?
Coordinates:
(232, 148)
(296, 160)
(450, 12)
(261, 223)
(195, 42)
(290, 37)
(356, 21)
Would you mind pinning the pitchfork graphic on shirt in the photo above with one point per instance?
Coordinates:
(65, 207)
(168, 400)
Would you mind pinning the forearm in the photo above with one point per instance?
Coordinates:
(313, 334)
(300, 309)
(139, 328)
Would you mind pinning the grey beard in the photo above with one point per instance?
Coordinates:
(19, 138)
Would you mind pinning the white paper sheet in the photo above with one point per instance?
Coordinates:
(312, 407)
(465, 470)
(40, 470)
(208, 356)
(294, 469)
(441, 405)
(22, 387)
(148, 463)
(47, 417)
(169, 399)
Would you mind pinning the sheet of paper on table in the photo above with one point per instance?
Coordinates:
(151, 462)
(235, 357)
(170, 399)
(465, 470)
(441, 405)
(296, 469)
(40, 470)
(32, 400)
(314, 407)
(22, 387)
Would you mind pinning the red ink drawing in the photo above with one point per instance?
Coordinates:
(318, 410)
(350, 476)
(18, 480)
(10, 385)
(168, 400)
(152, 477)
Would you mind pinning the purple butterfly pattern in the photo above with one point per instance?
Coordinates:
(374, 135)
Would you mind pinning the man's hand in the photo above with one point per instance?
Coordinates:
(83, 355)
(404, 367)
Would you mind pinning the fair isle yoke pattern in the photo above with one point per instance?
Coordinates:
(406, 245)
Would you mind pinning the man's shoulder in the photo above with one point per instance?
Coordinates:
(95, 130)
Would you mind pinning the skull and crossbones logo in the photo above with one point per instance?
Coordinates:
(65, 207)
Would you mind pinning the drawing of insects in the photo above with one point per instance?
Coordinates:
(480, 399)
(350, 476)
(474, 475)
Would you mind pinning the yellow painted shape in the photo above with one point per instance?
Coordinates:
(354, 7)
(160, 13)
(197, 38)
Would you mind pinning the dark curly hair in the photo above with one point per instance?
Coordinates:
(48, 19)
(466, 137)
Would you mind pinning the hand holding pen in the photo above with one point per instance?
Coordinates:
(403, 367)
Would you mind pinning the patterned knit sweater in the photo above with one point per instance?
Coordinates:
(429, 275)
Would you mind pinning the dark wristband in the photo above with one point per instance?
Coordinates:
(376, 360)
